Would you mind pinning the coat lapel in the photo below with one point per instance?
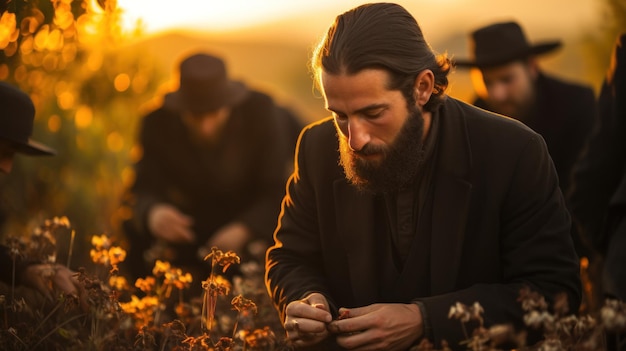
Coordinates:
(451, 199)
(355, 214)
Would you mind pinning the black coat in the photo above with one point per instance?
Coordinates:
(498, 222)
(598, 195)
(563, 115)
(242, 178)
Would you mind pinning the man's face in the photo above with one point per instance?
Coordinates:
(206, 127)
(7, 152)
(510, 88)
(380, 138)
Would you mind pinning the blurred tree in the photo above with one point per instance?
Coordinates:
(88, 93)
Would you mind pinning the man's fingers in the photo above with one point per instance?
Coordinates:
(291, 325)
(185, 234)
(65, 281)
(305, 326)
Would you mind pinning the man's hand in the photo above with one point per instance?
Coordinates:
(233, 236)
(378, 327)
(167, 223)
(306, 320)
(52, 278)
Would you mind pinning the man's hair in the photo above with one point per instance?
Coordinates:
(384, 36)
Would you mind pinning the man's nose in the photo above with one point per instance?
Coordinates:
(358, 135)
(497, 92)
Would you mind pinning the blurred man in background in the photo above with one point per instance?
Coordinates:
(17, 114)
(514, 85)
(216, 155)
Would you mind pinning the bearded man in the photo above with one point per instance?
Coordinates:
(406, 201)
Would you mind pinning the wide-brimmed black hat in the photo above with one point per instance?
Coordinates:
(17, 114)
(502, 43)
(204, 86)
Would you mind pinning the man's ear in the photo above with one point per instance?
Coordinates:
(423, 87)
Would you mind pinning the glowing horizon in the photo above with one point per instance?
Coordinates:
(210, 15)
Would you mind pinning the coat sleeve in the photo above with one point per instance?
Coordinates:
(297, 244)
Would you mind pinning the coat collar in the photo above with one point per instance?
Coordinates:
(355, 211)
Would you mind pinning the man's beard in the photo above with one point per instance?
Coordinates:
(399, 163)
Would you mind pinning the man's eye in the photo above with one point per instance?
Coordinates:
(373, 115)
(340, 117)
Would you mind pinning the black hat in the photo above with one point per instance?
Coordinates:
(502, 43)
(17, 114)
(204, 86)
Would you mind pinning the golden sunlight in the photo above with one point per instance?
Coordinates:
(208, 15)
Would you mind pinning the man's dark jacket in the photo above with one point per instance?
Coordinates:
(240, 178)
(598, 194)
(498, 223)
(563, 115)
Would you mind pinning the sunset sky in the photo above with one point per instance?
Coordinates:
(300, 23)
(434, 15)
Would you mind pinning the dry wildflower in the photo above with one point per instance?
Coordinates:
(118, 282)
(17, 246)
(224, 259)
(57, 222)
(532, 300)
(142, 310)
(259, 339)
(243, 305)
(613, 315)
(146, 284)
(42, 247)
(218, 285)
(585, 325)
(174, 333)
(100, 242)
(461, 312)
(105, 254)
(160, 268)
(117, 255)
(145, 339)
(224, 344)
(561, 305)
(100, 256)
(466, 313)
(199, 343)
(538, 319)
(175, 277)
(213, 287)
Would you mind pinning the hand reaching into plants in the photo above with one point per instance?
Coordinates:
(306, 320)
(232, 237)
(378, 327)
(48, 278)
(168, 223)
